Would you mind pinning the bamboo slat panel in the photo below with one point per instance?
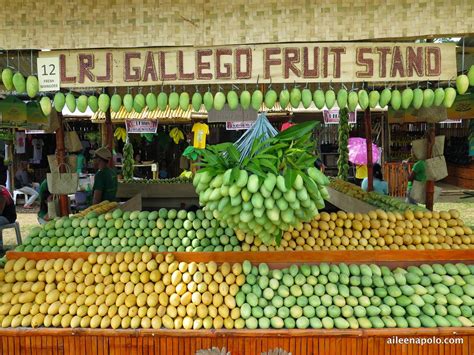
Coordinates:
(237, 342)
(461, 176)
(285, 258)
(397, 178)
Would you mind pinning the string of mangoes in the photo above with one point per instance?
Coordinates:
(350, 99)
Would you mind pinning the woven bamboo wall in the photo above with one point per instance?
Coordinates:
(59, 24)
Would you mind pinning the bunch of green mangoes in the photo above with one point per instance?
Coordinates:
(343, 160)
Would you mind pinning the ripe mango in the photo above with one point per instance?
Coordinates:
(196, 101)
(396, 99)
(385, 97)
(407, 98)
(128, 102)
(257, 99)
(45, 104)
(219, 101)
(374, 97)
(115, 103)
(438, 96)
(7, 78)
(59, 101)
(93, 103)
(151, 102)
(233, 100)
(330, 97)
(208, 101)
(295, 97)
(32, 86)
(417, 98)
(342, 98)
(306, 98)
(462, 83)
(352, 101)
(363, 99)
(19, 83)
(318, 98)
(449, 97)
(71, 102)
(184, 101)
(284, 98)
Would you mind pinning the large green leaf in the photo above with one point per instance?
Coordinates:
(233, 153)
(234, 175)
(290, 176)
(269, 165)
(296, 131)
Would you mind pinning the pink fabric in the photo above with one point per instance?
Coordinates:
(286, 125)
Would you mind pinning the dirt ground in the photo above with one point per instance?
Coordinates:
(28, 218)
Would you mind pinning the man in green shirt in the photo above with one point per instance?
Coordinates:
(105, 180)
(44, 197)
(418, 173)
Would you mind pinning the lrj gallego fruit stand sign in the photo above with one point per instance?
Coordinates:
(309, 62)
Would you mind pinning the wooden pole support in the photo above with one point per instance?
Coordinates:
(61, 155)
(429, 153)
(368, 141)
(109, 134)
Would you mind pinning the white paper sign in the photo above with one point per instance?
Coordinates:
(48, 74)
(141, 126)
(238, 126)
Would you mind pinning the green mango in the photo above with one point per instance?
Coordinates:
(45, 104)
(449, 97)
(385, 97)
(196, 101)
(342, 98)
(139, 103)
(363, 99)
(257, 99)
(407, 98)
(104, 102)
(71, 102)
(19, 83)
(7, 79)
(219, 101)
(330, 98)
(374, 98)
(115, 102)
(396, 99)
(270, 98)
(173, 100)
(470, 75)
(128, 102)
(82, 103)
(208, 100)
(295, 97)
(284, 98)
(184, 101)
(245, 98)
(151, 102)
(438, 96)
(417, 98)
(318, 99)
(92, 102)
(59, 101)
(462, 84)
(352, 101)
(428, 97)
(306, 98)
(233, 100)
(32, 86)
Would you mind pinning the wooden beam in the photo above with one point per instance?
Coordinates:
(429, 153)
(61, 156)
(368, 142)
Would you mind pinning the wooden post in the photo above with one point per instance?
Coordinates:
(61, 155)
(429, 153)
(368, 141)
(109, 135)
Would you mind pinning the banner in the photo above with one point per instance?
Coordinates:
(278, 63)
(238, 126)
(332, 116)
(141, 126)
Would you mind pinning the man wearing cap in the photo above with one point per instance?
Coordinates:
(105, 180)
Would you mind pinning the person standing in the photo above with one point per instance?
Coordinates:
(7, 207)
(105, 180)
(3, 171)
(418, 173)
(361, 173)
(23, 184)
(380, 186)
(44, 197)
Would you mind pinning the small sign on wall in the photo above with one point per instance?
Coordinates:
(141, 126)
(48, 74)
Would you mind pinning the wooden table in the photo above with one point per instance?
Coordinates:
(347, 203)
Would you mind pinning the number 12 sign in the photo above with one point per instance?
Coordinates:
(48, 74)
